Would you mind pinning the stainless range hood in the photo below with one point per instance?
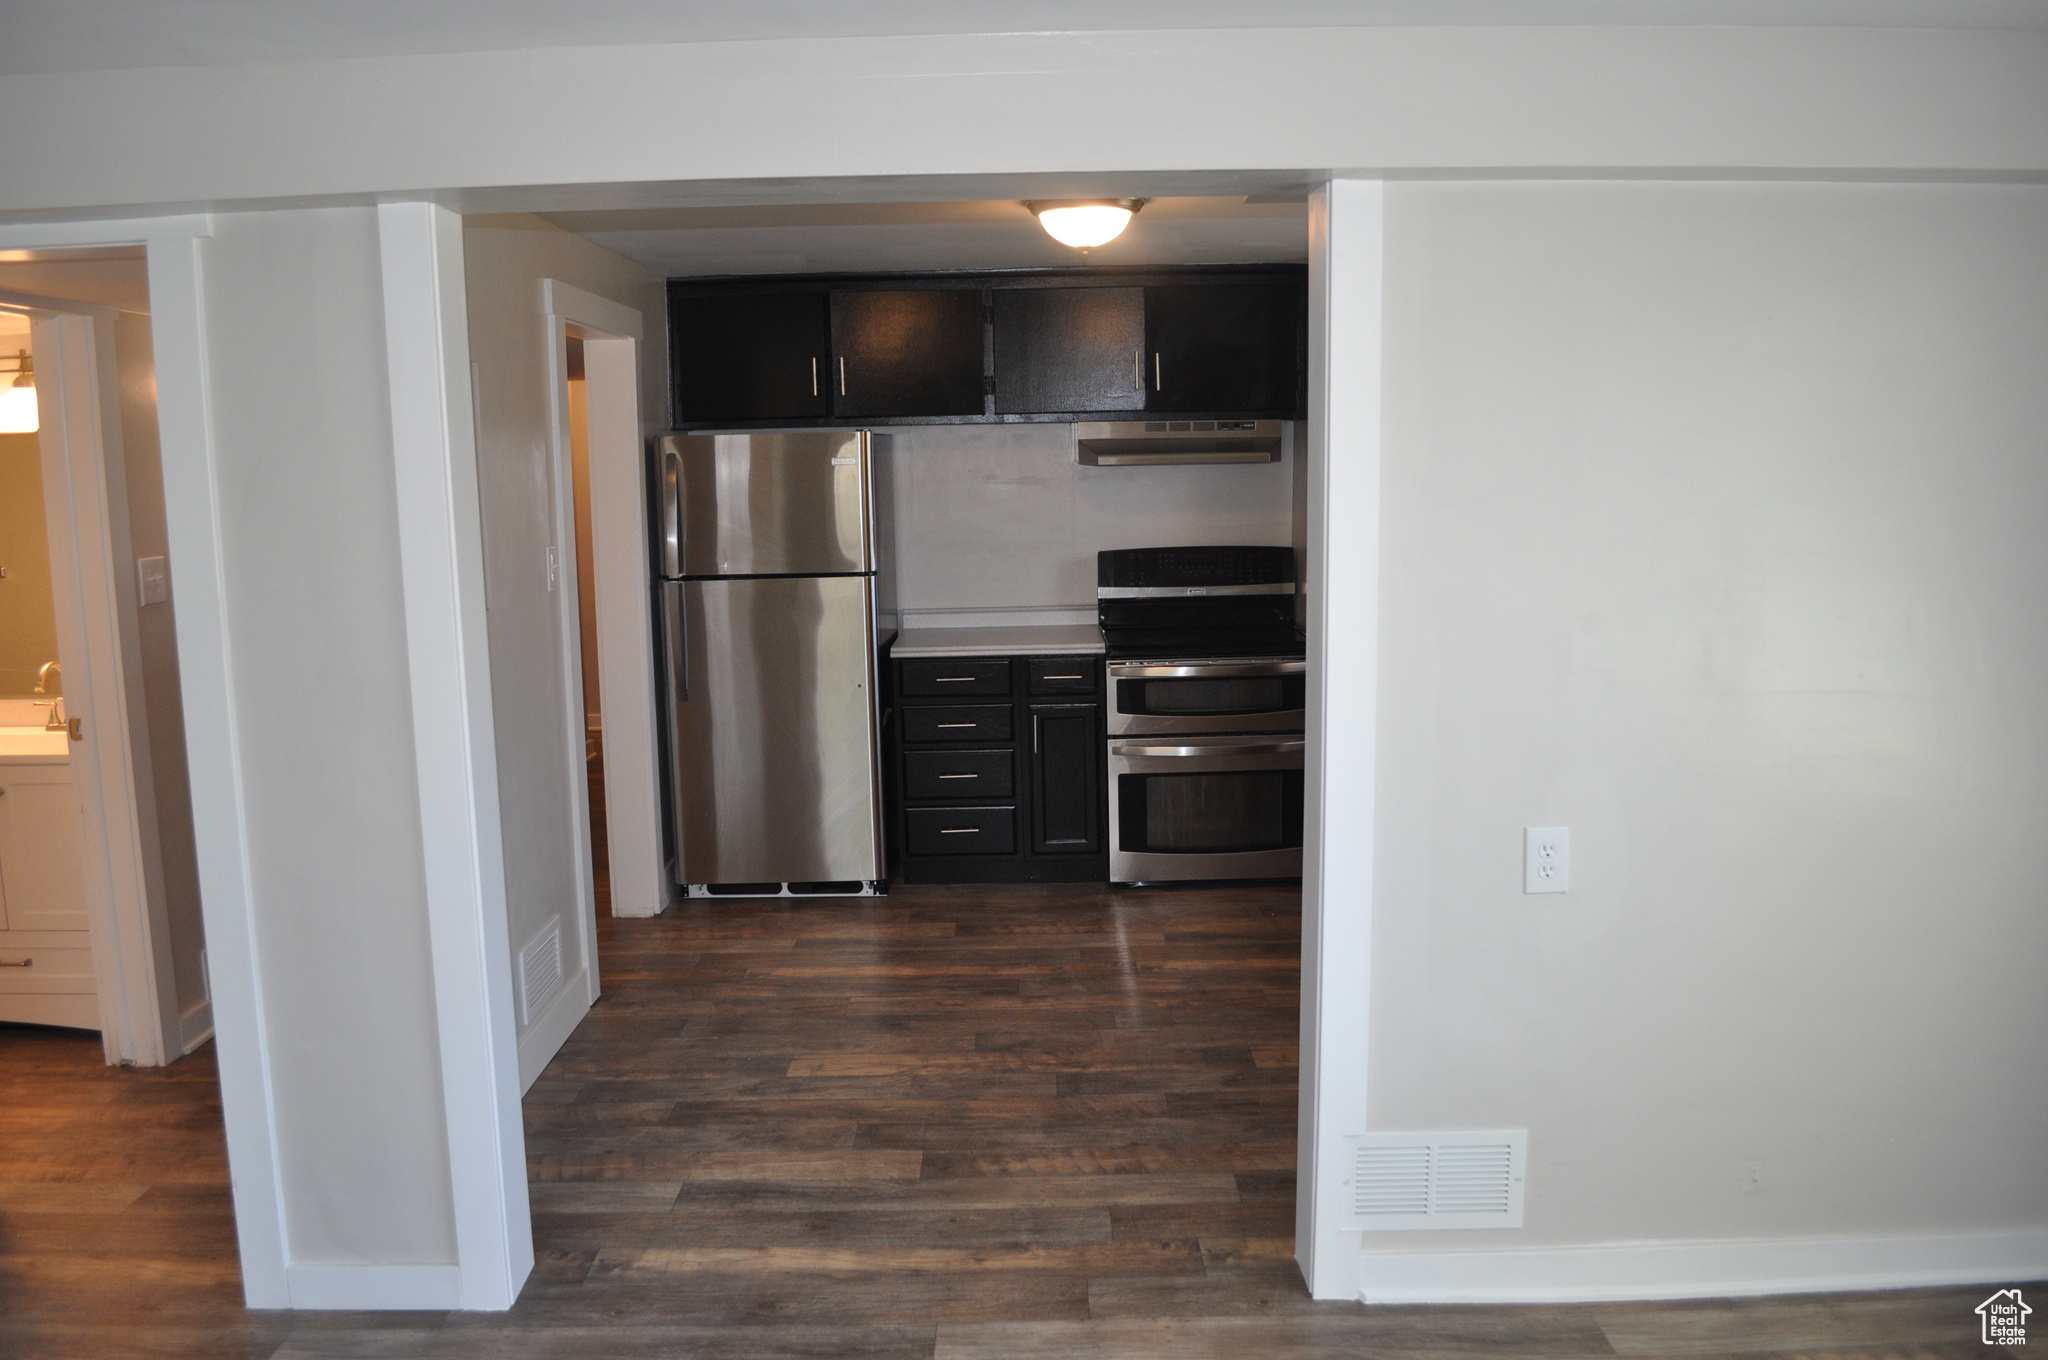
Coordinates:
(1126, 443)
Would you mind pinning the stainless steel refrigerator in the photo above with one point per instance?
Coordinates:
(769, 557)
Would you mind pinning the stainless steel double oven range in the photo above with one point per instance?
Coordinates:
(1207, 686)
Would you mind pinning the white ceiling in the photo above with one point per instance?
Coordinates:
(80, 35)
(887, 237)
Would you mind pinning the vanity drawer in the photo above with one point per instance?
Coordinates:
(957, 774)
(960, 831)
(60, 970)
(949, 679)
(1062, 674)
(969, 722)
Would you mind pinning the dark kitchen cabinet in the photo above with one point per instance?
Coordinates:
(1224, 347)
(749, 356)
(1025, 346)
(1068, 349)
(917, 352)
(1066, 779)
(1008, 787)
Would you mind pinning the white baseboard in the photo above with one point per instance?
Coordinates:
(387, 1288)
(1691, 1270)
(195, 1026)
(552, 1030)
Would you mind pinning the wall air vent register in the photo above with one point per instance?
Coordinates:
(1466, 1179)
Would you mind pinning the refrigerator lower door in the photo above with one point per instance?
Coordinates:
(775, 750)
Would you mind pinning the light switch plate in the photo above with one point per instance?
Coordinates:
(152, 580)
(1546, 859)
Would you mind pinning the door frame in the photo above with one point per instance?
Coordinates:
(85, 512)
(612, 334)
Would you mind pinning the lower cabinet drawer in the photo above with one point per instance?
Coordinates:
(945, 679)
(969, 722)
(957, 774)
(47, 969)
(961, 831)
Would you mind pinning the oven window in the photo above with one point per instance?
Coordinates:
(1258, 694)
(1210, 814)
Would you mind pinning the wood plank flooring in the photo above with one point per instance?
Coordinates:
(1010, 1122)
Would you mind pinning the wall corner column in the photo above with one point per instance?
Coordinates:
(1346, 230)
(441, 547)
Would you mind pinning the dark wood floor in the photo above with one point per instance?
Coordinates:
(1013, 1122)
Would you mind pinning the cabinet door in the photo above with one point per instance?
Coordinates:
(749, 356)
(41, 873)
(910, 353)
(1223, 347)
(1069, 349)
(1066, 779)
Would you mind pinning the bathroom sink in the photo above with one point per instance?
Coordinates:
(33, 745)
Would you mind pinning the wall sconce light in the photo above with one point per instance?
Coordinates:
(1085, 222)
(18, 413)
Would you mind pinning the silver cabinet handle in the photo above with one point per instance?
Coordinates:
(10, 963)
(814, 375)
(1034, 734)
(959, 724)
(1158, 373)
(842, 375)
(1137, 370)
(1063, 677)
(954, 679)
(959, 776)
(1207, 670)
(959, 830)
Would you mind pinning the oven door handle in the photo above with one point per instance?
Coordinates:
(1207, 670)
(1250, 748)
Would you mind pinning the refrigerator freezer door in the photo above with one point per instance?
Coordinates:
(775, 748)
(772, 504)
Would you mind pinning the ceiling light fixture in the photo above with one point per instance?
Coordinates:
(18, 414)
(1085, 222)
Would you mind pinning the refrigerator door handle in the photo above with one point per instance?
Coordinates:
(678, 642)
(672, 507)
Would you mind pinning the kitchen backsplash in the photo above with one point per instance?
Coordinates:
(1000, 523)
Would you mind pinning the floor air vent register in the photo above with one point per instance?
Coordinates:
(1467, 1179)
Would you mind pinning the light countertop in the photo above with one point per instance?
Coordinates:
(34, 746)
(1066, 639)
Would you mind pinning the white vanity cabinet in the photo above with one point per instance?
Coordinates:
(46, 975)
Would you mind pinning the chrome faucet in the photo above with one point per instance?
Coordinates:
(56, 705)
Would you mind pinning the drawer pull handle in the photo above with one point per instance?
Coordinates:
(959, 831)
(1063, 677)
(959, 724)
(959, 776)
(955, 679)
(10, 963)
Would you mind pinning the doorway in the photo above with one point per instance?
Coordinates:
(97, 862)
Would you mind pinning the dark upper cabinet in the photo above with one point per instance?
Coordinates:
(1066, 779)
(917, 352)
(1231, 342)
(1218, 347)
(749, 356)
(1069, 349)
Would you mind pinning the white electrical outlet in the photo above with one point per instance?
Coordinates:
(1546, 859)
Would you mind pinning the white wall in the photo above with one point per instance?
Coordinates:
(1713, 530)
(1001, 523)
(1801, 100)
(505, 260)
(308, 513)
